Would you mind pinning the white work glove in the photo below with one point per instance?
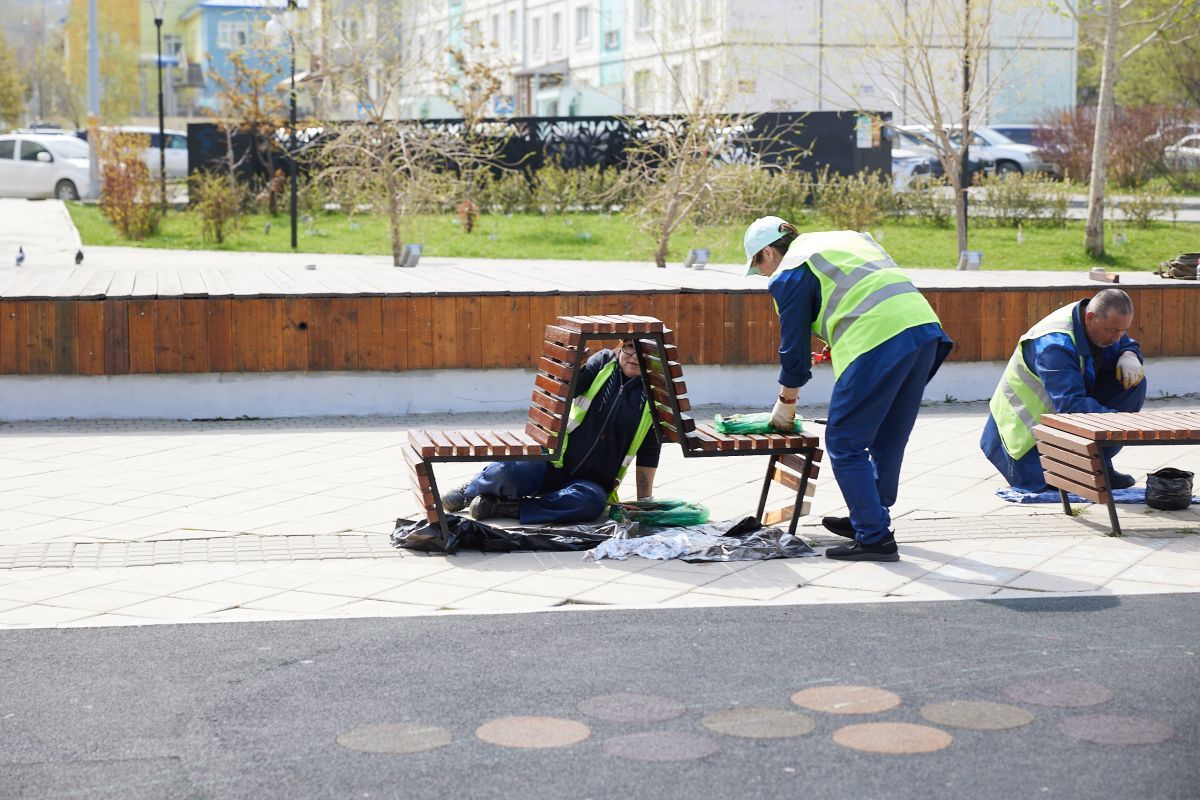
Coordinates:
(783, 416)
(1129, 369)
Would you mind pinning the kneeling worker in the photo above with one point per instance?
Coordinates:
(609, 426)
(1078, 360)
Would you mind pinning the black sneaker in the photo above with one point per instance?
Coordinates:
(487, 506)
(839, 525)
(857, 551)
(455, 499)
(1119, 480)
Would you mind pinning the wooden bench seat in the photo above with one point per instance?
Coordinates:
(1070, 448)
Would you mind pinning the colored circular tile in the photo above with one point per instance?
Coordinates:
(976, 715)
(397, 738)
(846, 699)
(760, 723)
(1064, 694)
(533, 732)
(1106, 729)
(627, 707)
(892, 738)
(662, 746)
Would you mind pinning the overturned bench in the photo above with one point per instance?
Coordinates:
(1070, 448)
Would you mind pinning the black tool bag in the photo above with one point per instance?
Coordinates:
(1183, 267)
(1169, 489)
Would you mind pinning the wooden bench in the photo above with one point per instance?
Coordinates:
(792, 458)
(555, 386)
(1070, 448)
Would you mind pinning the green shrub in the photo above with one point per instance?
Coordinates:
(508, 193)
(129, 197)
(854, 202)
(1141, 207)
(219, 201)
(927, 200)
(1013, 199)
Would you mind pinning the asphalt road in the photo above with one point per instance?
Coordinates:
(255, 710)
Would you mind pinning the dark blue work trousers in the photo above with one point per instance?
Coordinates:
(871, 414)
(546, 494)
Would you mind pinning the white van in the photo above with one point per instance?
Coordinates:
(176, 151)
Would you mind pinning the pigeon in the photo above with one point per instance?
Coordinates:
(20, 255)
(79, 256)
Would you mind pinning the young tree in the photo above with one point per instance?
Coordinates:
(12, 85)
(1144, 22)
(946, 63)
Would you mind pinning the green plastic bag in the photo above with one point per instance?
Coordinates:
(759, 422)
(661, 513)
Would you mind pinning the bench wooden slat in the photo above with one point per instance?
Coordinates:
(1091, 463)
(566, 355)
(541, 418)
(415, 462)
(1064, 439)
(548, 402)
(553, 386)
(790, 480)
(777, 516)
(554, 369)
(542, 437)
(563, 336)
(1090, 492)
(1085, 477)
(496, 444)
(423, 443)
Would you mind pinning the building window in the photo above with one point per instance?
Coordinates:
(706, 78)
(474, 31)
(535, 35)
(583, 24)
(172, 44)
(677, 86)
(612, 40)
(495, 30)
(514, 36)
(231, 35)
(556, 32)
(708, 10)
(641, 90)
(644, 15)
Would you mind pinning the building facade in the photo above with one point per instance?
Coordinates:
(598, 57)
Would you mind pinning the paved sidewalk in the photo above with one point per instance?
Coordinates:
(130, 523)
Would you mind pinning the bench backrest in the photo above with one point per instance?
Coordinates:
(564, 351)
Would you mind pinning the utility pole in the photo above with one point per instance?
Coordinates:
(93, 98)
(965, 169)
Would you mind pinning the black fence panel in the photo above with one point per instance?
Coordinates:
(845, 141)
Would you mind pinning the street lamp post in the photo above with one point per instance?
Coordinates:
(275, 31)
(162, 139)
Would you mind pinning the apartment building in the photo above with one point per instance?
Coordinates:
(586, 57)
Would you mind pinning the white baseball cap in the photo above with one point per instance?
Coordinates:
(762, 232)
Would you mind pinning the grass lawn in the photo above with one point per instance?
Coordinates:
(606, 237)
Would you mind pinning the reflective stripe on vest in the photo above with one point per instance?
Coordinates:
(857, 278)
(1021, 398)
(579, 409)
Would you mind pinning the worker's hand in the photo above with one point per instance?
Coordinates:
(783, 416)
(822, 357)
(1129, 369)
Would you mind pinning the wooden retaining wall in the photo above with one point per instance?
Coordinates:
(391, 333)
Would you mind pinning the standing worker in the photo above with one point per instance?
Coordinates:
(885, 344)
(1078, 360)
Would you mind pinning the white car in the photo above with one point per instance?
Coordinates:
(1184, 154)
(907, 164)
(175, 153)
(38, 165)
(992, 146)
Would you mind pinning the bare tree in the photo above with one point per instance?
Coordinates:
(945, 63)
(1145, 21)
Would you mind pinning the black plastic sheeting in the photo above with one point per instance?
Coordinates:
(743, 539)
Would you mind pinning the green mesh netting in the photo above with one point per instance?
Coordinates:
(759, 422)
(660, 513)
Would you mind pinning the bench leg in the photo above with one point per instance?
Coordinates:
(801, 492)
(762, 498)
(437, 503)
(1062, 493)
